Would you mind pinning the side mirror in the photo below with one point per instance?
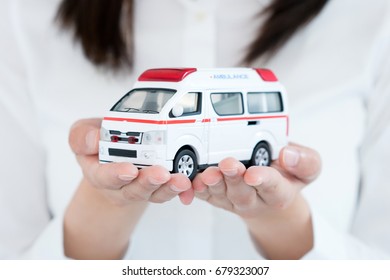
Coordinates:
(177, 111)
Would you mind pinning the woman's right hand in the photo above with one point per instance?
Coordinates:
(111, 198)
(122, 182)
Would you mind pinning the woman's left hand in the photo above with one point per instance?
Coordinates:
(267, 198)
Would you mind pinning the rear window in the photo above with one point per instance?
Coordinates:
(264, 102)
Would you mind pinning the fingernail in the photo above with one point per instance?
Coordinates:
(156, 182)
(291, 156)
(259, 181)
(174, 188)
(90, 139)
(126, 178)
(213, 183)
(230, 172)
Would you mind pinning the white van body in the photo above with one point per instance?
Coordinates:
(212, 113)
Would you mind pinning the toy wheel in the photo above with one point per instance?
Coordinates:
(185, 162)
(261, 155)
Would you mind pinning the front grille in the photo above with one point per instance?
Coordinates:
(122, 153)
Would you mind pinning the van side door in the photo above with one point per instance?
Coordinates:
(188, 128)
(227, 126)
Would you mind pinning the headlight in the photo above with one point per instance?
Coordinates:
(105, 135)
(153, 137)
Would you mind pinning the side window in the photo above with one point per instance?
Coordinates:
(227, 103)
(264, 102)
(191, 103)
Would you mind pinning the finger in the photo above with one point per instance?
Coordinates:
(213, 188)
(200, 189)
(107, 176)
(302, 162)
(273, 189)
(212, 179)
(84, 136)
(148, 181)
(187, 196)
(177, 184)
(202, 181)
(241, 195)
(209, 174)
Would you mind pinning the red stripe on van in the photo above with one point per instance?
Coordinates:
(180, 121)
(258, 118)
(251, 118)
(194, 120)
(133, 120)
(149, 121)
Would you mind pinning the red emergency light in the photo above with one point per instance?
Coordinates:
(266, 74)
(166, 74)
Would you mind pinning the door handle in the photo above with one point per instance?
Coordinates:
(253, 122)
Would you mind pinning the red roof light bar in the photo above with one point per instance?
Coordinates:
(166, 74)
(266, 74)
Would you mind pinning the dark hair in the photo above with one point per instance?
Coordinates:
(97, 26)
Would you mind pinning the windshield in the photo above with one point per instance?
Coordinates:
(147, 101)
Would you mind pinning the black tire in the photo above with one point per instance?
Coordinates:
(261, 155)
(185, 162)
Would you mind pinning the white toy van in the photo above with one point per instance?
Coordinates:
(186, 119)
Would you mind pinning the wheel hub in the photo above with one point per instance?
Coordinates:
(262, 157)
(186, 165)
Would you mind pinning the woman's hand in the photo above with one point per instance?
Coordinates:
(111, 198)
(122, 182)
(267, 198)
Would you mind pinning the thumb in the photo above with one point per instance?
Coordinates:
(84, 136)
(302, 162)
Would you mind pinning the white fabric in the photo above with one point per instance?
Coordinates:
(335, 70)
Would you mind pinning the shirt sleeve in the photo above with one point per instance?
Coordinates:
(369, 236)
(28, 229)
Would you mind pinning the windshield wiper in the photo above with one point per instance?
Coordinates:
(151, 111)
(130, 109)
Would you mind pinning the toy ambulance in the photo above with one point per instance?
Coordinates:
(186, 119)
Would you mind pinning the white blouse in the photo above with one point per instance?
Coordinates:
(336, 73)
